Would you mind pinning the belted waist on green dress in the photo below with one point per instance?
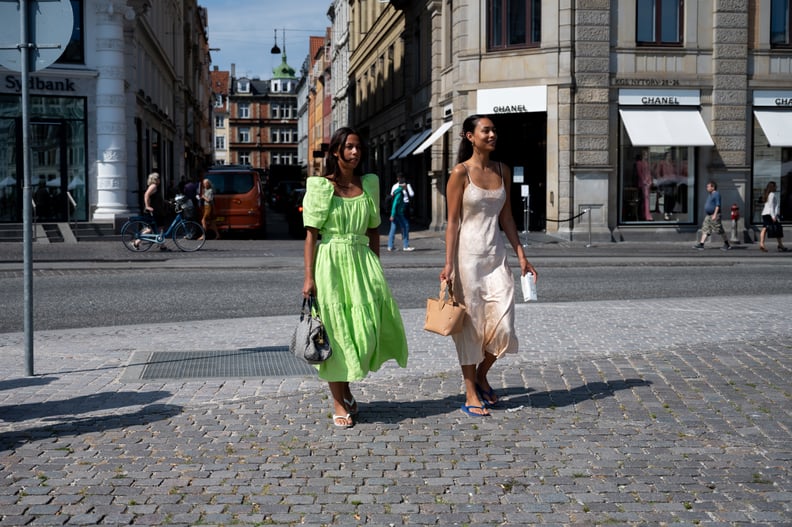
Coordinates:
(348, 239)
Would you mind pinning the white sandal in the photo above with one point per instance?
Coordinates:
(346, 417)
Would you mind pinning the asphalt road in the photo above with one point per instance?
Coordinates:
(101, 284)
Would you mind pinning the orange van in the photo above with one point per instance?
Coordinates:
(239, 198)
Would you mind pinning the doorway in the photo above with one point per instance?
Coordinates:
(58, 192)
(522, 144)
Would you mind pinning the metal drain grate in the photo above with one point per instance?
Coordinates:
(250, 362)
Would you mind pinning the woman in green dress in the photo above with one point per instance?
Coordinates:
(343, 271)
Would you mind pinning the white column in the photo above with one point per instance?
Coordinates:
(111, 126)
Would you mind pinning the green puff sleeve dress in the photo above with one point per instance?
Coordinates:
(355, 303)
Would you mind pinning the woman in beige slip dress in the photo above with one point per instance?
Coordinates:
(478, 204)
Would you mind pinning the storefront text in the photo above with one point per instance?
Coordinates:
(517, 108)
(660, 101)
(36, 83)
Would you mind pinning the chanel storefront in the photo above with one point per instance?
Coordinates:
(772, 150)
(660, 131)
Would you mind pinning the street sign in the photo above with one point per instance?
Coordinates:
(51, 23)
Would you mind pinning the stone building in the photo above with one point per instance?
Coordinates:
(255, 121)
(587, 97)
(129, 96)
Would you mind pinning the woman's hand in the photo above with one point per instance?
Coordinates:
(445, 274)
(526, 267)
(309, 288)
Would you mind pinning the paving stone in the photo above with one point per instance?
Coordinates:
(596, 427)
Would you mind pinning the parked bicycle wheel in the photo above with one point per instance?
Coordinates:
(189, 236)
(130, 236)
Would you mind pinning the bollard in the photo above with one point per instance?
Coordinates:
(588, 211)
(735, 217)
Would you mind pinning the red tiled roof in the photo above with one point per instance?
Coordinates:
(220, 82)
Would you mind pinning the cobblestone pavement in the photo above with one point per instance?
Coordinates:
(647, 412)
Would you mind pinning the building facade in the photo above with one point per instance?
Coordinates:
(129, 96)
(255, 121)
(611, 115)
(221, 115)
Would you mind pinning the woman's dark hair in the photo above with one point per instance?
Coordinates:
(771, 187)
(337, 143)
(465, 146)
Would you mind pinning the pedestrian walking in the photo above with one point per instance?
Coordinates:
(476, 261)
(407, 190)
(208, 218)
(398, 219)
(771, 221)
(712, 218)
(343, 271)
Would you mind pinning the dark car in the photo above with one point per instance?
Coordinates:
(281, 194)
(294, 217)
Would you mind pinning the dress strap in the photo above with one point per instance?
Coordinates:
(467, 172)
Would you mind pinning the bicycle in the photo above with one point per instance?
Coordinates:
(139, 233)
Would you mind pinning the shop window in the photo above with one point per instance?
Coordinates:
(659, 22)
(513, 24)
(75, 49)
(770, 163)
(656, 183)
(780, 24)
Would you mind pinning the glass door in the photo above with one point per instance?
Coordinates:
(10, 180)
(48, 171)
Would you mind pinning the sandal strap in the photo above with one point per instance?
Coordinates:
(347, 418)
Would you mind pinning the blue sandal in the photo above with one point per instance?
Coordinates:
(485, 395)
(466, 409)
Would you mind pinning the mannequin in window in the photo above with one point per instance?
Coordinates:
(644, 179)
(666, 174)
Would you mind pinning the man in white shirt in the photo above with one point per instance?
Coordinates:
(407, 189)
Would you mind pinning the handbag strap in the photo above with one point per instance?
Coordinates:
(313, 307)
(446, 287)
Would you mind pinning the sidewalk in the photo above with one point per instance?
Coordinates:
(617, 413)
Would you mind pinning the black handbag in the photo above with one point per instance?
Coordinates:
(309, 341)
(775, 230)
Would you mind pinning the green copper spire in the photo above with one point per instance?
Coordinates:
(284, 71)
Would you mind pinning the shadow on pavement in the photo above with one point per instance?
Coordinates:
(13, 384)
(556, 398)
(66, 408)
(390, 412)
(148, 414)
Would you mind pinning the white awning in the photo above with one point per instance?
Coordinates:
(776, 125)
(652, 127)
(434, 137)
(412, 141)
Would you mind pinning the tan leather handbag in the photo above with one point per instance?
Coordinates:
(444, 315)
